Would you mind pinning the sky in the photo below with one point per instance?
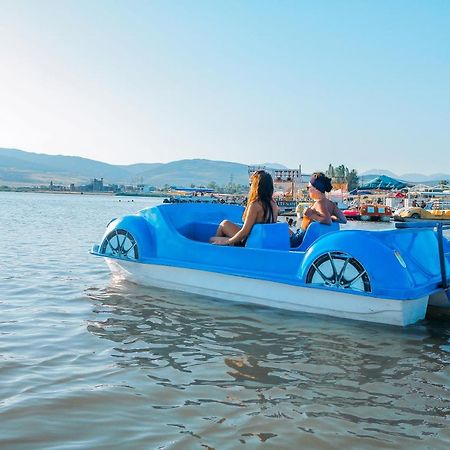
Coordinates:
(361, 83)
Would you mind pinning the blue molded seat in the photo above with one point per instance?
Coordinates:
(314, 231)
(198, 231)
(273, 236)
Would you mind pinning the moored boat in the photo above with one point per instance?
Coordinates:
(330, 273)
(368, 212)
(286, 207)
(433, 210)
(190, 199)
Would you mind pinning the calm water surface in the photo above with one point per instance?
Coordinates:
(88, 361)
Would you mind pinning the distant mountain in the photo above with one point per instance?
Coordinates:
(28, 168)
(141, 167)
(21, 167)
(408, 177)
(197, 171)
(377, 172)
(426, 178)
(273, 166)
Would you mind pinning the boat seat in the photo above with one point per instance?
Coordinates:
(198, 231)
(272, 236)
(314, 231)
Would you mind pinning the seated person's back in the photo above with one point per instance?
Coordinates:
(260, 208)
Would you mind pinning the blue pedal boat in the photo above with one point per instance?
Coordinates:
(385, 276)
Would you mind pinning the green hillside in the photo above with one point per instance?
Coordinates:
(21, 167)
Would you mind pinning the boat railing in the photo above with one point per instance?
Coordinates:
(440, 205)
(439, 227)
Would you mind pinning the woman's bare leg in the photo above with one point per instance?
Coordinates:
(219, 240)
(227, 229)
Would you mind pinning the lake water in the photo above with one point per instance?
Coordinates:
(87, 361)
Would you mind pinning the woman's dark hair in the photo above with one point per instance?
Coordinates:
(261, 189)
(321, 182)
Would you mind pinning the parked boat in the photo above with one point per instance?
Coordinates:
(191, 199)
(433, 210)
(330, 273)
(191, 195)
(367, 212)
(286, 207)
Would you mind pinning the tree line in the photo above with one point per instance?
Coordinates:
(342, 174)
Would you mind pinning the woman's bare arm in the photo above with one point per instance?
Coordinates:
(276, 210)
(319, 213)
(250, 219)
(338, 215)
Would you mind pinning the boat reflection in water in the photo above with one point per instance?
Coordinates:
(227, 373)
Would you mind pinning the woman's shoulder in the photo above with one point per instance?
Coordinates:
(257, 204)
(325, 201)
(320, 202)
(331, 204)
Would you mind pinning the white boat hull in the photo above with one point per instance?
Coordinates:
(284, 296)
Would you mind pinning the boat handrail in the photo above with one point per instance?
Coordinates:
(442, 254)
(424, 224)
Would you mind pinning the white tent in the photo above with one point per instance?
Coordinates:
(420, 188)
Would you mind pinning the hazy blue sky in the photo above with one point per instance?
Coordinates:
(363, 83)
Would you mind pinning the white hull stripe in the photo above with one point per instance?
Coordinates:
(278, 295)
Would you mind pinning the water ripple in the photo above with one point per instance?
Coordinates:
(89, 361)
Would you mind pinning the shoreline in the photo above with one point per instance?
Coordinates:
(18, 191)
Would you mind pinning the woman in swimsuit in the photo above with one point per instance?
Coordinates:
(260, 209)
(323, 210)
